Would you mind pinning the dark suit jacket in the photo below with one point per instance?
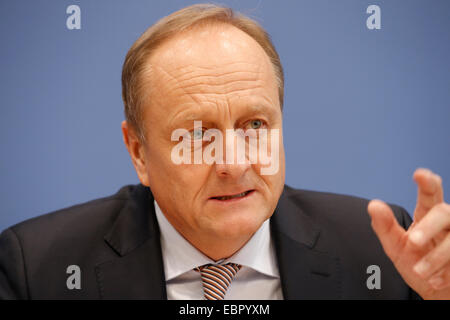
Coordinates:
(324, 244)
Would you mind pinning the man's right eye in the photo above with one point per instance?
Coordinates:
(197, 134)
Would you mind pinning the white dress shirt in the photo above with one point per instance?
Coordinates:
(257, 279)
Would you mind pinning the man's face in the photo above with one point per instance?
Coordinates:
(222, 77)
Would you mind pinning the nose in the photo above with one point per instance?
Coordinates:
(234, 164)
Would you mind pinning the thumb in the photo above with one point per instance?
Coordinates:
(386, 227)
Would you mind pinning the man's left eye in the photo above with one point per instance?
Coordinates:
(255, 124)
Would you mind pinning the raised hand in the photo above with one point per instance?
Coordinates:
(422, 253)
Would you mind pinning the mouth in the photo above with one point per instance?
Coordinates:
(242, 195)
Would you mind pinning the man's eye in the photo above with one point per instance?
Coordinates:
(197, 134)
(256, 124)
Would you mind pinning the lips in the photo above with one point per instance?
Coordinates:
(235, 196)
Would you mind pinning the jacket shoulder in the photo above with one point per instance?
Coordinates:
(339, 208)
(67, 220)
(35, 253)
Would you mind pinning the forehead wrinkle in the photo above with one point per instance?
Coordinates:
(191, 84)
(217, 76)
(224, 83)
(203, 99)
(223, 90)
(222, 78)
(177, 84)
(211, 67)
(201, 87)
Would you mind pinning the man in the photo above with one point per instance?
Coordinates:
(224, 229)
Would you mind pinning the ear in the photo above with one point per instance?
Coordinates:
(136, 151)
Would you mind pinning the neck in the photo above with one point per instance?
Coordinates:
(218, 249)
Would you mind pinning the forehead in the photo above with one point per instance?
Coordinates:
(214, 69)
(211, 55)
(211, 45)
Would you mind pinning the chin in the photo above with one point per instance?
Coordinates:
(240, 224)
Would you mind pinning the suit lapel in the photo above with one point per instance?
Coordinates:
(137, 272)
(306, 272)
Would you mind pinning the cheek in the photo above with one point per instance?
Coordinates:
(181, 182)
(272, 173)
(188, 179)
(272, 185)
(177, 186)
(164, 174)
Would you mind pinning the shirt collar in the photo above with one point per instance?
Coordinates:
(179, 256)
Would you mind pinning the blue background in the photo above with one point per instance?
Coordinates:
(363, 108)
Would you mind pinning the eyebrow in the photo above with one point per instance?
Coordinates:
(261, 108)
(200, 113)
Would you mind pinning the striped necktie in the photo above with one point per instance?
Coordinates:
(216, 279)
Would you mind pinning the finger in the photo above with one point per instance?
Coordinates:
(436, 221)
(429, 192)
(386, 227)
(435, 260)
(441, 280)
